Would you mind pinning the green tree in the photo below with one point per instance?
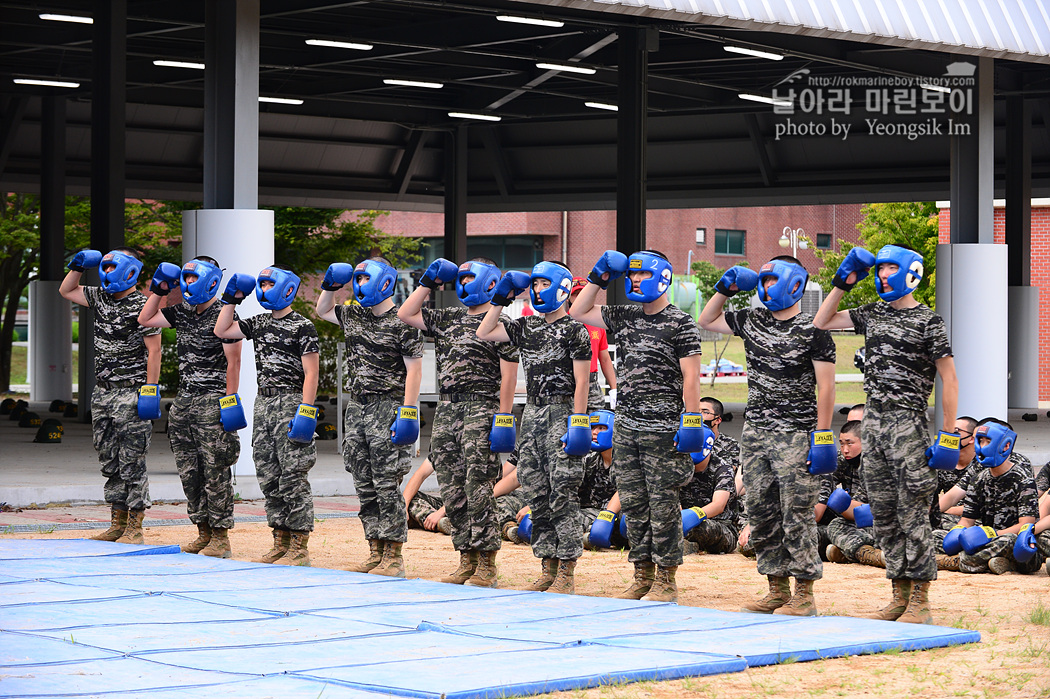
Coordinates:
(19, 258)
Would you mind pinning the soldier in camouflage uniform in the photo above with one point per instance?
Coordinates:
(476, 381)
(906, 346)
(845, 476)
(425, 510)
(659, 350)
(556, 353)
(727, 452)
(713, 490)
(789, 362)
(286, 365)
(598, 489)
(849, 543)
(948, 495)
(127, 356)
(209, 369)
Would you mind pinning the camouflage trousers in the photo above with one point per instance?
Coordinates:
(714, 536)
(466, 471)
(422, 506)
(550, 481)
(823, 540)
(649, 474)
(781, 494)
(1000, 546)
(121, 440)
(595, 397)
(1042, 542)
(508, 506)
(900, 487)
(204, 453)
(282, 465)
(849, 537)
(378, 467)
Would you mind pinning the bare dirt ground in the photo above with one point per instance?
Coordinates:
(1012, 613)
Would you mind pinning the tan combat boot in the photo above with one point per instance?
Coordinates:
(509, 532)
(219, 545)
(802, 602)
(664, 588)
(896, 607)
(297, 554)
(375, 557)
(393, 564)
(871, 556)
(779, 595)
(282, 539)
(468, 563)
(1001, 565)
(203, 537)
(118, 519)
(565, 581)
(549, 566)
(133, 532)
(835, 554)
(918, 611)
(644, 575)
(946, 562)
(486, 573)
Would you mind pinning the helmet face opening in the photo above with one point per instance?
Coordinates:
(656, 281)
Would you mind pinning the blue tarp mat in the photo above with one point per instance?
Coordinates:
(105, 566)
(278, 687)
(264, 577)
(22, 549)
(22, 649)
(39, 591)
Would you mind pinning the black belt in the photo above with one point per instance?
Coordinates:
(463, 397)
(550, 400)
(118, 384)
(370, 398)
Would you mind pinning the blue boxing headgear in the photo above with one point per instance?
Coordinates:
(551, 298)
(997, 450)
(282, 293)
(123, 275)
(906, 278)
(709, 444)
(382, 279)
(480, 289)
(788, 288)
(656, 285)
(205, 286)
(604, 440)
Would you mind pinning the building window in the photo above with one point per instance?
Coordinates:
(729, 242)
(824, 241)
(701, 236)
(508, 252)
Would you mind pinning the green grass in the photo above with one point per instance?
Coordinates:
(1040, 615)
(18, 363)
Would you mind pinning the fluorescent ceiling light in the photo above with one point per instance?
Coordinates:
(340, 44)
(765, 100)
(179, 64)
(279, 100)
(530, 20)
(413, 83)
(601, 105)
(935, 88)
(468, 115)
(568, 68)
(753, 52)
(67, 18)
(45, 83)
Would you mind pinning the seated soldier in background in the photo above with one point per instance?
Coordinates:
(852, 539)
(855, 413)
(946, 508)
(425, 510)
(710, 510)
(599, 501)
(846, 476)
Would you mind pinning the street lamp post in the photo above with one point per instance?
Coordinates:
(793, 237)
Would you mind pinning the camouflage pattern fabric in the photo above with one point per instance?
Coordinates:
(650, 473)
(377, 466)
(467, 470)
(1043, 544)
(595, 397)
(204, 453)
(1001, 546)
(1042, 481)
(946, 480)
(547, 353)
(1000, 501)
(120, 351)
(781, 381)
(900, 484)
(422, 506)
(280, 344)
(649, 373)
(715, 536)
(901, 347)
(701, 490)
(849, 538)
(121, 440)
(550, 479)
(375, 347)
(845, 476)
(598, 485)
(465, 364)
(202, 361)
(781, 494)
(282, 465)
(727, 452)
(508, 506)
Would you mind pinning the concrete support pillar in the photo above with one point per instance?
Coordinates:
(455, 206)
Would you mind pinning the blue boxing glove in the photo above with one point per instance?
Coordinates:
(601, 530)
(858, 261)
(525, 527)
(304, 424)
(439, 272)
(952, 543)
(239, 284)
(338, 275)
(149, 402)
(839, 500)
(611, 262)
(943, 454)
(577, 438)
(510, 285)
(85, 259)
(690, 434)
(503, 433)
(1024, 547)
(621, 526)
(862, 516)
(691, 518)
(231, 413)
(823, 456)
(744, 278)
(976, 538)
(405, 429)
(166, 273)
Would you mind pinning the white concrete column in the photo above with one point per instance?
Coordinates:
(50, 358)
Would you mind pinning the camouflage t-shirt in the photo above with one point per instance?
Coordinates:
(649, 374)
(120, 350)
(727, 451)
(280, 344)
(1042, 481)
(946, 480)
(1016, 458)
(548, 351)
(202, 361)
(1000, 501)
(781, 380)
(848, 477)
(701, 490)
(466, 364)
(598, 484)
(901, 347)
(376, 346)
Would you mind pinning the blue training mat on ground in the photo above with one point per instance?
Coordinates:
(22, 549)
(174, 625)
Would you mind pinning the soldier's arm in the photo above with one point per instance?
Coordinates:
(151, 316)
(491, 328)
(411, 311)
(232, 350)
(311, 369)
(152, 343)
(70, 288)
(226, 325)
(508, 384)
(414, 375)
